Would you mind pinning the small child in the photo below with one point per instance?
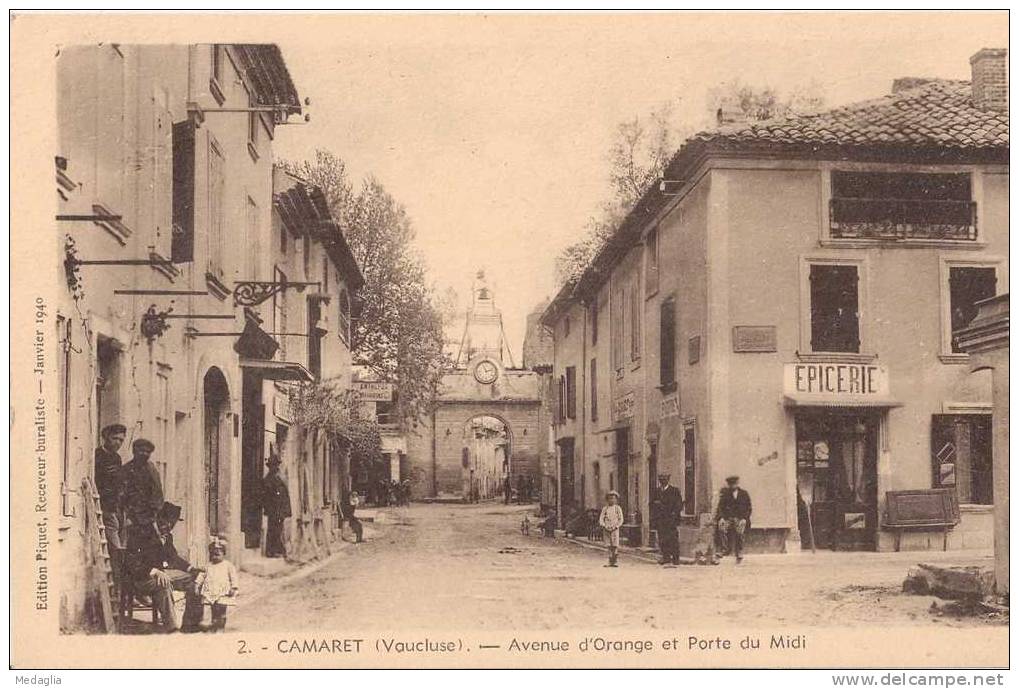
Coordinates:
(217, 585)
(611, 519)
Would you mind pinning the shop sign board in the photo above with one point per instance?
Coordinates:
(834, 380)
(374, 392)
(281, 408)
(754, 338)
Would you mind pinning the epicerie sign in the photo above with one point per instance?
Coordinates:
(374, 392)
(835, 379)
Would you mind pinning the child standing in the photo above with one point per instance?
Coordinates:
(611, 519)
(218, 584)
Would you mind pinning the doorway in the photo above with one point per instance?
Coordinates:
(252, 447)
(217, 443)
(836, 477)
(622, 469)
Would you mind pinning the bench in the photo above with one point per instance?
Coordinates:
(921, 510)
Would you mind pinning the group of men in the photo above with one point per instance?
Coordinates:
(731, 520)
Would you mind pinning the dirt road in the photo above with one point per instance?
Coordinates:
(469, 567)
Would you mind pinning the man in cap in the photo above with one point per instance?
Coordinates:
(156, 569)
(668, 508)
(733, 517)
(276, 504)
(143, 489)
(109, 482)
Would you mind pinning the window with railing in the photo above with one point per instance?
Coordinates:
(902, 206)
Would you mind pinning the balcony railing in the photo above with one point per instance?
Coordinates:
(900, 219)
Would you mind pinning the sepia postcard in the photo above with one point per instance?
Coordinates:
(508, 339)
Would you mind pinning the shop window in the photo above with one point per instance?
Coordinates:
(967, 286)
(667, 344)
(897, 206)
(961, 456)
(834, 308)
(594, 389)
(571, 392)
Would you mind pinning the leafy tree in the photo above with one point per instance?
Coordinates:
(397, 329)
(644, 146)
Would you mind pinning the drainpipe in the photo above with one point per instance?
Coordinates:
(583, 409)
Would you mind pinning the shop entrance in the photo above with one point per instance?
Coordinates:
(836, 477)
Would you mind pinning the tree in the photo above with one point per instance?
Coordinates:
(397, 329)
(643, 148)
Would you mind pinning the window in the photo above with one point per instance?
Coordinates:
(218, 77)
(667, 344)
(182, 246)
(306, 253)
(344, 316)
(566, 327)
(834, 308)
(162, 173)
(314, 338)
(165, 419)
(594, 389)
(560, 405)
(325, 274)
(651, 262)
(961, 456)
(967, 286)
(897, 205)
(617, 325)
(107, 390)
(593, 311)
(571, 392)
(217, 189)
(254, 124)
(635, 341)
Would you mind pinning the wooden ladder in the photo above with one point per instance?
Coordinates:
(99, 562)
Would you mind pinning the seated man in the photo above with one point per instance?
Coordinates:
(733, 517)
(156, 569)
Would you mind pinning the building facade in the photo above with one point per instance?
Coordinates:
(781, 307)
(173, 253)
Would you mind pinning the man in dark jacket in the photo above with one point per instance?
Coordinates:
(109, 484)
(348, 509)
(156, 569)
(668, 508)
(143, 489)
(733, 517)
(276, 504)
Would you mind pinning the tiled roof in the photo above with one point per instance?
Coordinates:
(937, 113)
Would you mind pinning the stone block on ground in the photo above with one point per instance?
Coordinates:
(952, 582)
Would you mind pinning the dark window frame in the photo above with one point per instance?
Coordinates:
(835, 316)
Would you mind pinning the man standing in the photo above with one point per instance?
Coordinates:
(109, 484)
(143, 489)
(669, 508)
(348, 509)
(276, 504)
(157, 570)
(733, 517)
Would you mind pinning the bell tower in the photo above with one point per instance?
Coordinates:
(483, 332)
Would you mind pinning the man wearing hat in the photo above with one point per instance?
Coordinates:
(143, 489)
(733, 517)
(156, 569)
(669, 507)
(276, 504)
(109, 482)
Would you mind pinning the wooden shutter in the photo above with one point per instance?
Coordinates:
(183, 244)
(571, 392)
(667, 343)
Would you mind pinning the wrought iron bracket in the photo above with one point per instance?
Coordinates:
(255, 292)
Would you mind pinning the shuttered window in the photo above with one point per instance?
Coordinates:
(571, 392)
(183, 244)
(667, 344)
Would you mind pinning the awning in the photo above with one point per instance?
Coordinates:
(828, 401)
(278, 370)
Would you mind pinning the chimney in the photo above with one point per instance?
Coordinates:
(990, 79)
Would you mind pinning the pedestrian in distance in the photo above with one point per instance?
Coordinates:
(668, 509)
(348, 509)
(276, 505)
(733, 517)
(610, 520)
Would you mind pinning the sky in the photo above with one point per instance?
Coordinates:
(494, 131)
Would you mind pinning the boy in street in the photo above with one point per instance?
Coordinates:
(611, 519)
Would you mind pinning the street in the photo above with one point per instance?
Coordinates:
(441, 566)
